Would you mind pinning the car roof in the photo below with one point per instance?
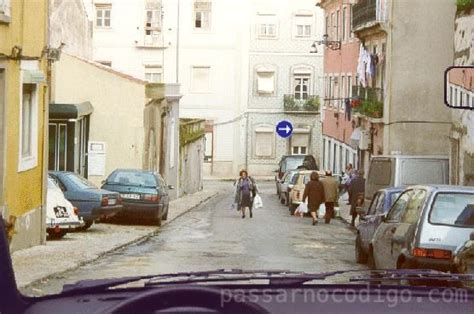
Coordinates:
(133, 170)
(443, 187)
(410, 156)
(392, 189)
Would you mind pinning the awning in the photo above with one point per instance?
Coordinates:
(70, 111)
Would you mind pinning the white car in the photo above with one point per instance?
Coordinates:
(61, 216)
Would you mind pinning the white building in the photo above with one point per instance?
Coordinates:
(211, 47)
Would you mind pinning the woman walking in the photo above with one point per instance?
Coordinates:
(314, 192)
(245, 191)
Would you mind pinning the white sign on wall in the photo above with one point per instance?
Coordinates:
(96, 158)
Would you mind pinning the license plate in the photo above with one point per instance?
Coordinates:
(61, 212)
(131, 196)
(112, 201)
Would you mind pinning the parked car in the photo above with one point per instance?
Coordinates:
(286, 186)
(424, 227)
(292, 162)
(144, 194)
(93, 203)
(61, 216)
(399, 170)
(464, 256)
(371, 217)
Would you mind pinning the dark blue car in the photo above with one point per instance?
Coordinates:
(93, 203)
(371, 218)
(144, 194)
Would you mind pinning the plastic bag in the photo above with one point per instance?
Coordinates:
(302, 209)
(257, 202)
(322, 211)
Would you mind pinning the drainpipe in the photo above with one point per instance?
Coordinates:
(247, 142)
(46, 102)
(177, 45)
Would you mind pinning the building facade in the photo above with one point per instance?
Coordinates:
(395, 94)
(461, 89)
(340, 74)
(23, 116)
(285, 83)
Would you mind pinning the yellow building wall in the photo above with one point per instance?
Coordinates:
(23, 191)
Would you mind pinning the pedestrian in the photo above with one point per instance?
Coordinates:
(314, 192)
(357, 190)
(347, 180)
(245, 191)
(331, 191)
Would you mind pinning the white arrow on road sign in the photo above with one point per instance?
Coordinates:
(286, 129)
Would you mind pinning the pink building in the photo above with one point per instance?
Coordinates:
(340, 75)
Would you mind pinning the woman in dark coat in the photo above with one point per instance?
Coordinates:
(314, 192)
(245, 191)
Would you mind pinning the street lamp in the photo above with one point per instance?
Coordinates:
(331, 44)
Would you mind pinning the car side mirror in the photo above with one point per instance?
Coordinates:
(170, 187)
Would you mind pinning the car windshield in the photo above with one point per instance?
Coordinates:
(455, 209)
(132, 178)
(293, 163)
(81, 182)
(184, 134)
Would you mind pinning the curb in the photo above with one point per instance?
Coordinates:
(141, 239)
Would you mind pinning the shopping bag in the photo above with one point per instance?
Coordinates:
(322, 211)
(257, 202)
(302, 209)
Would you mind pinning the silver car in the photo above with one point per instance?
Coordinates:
(286, 185)
(423, 228)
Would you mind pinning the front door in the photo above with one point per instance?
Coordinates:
(58, 146)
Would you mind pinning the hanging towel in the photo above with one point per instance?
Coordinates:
(361, 66)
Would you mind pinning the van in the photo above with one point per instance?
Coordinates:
(399, 170)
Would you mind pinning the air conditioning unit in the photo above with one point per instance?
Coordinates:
(364, 140)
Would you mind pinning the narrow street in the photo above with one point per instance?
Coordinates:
(213, 236)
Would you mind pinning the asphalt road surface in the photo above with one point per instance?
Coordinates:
(213, 236)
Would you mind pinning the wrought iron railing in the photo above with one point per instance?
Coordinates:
(306, 103)
(368, 101)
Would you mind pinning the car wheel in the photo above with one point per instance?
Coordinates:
(370, 259)
(87, 225)
(361, 256)
(56, 235)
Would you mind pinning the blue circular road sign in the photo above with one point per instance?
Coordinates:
(284, 128)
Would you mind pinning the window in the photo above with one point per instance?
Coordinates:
(5, 7)
(267, 30)
(200, 80)
(301, 83)
(265, 82)
(351, 34)
(299, 143)
(344, 23)
(337, 25)
(264, 141)
(153, 74)
(414, 207)
(202, 15)
(468, 100)
(208, 147)
(103, 15)
(349, 86)
(453, 209)
(327, 24)
(333, 25)
(399, 207)
(379, 207)
(451, 95)
(152, 23)
(303, 25)
(373, 204)
(28, 127)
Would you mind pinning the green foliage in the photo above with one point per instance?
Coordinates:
(464, 4)
(311, 104)
(370, 108)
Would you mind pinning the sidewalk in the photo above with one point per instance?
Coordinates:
(79, 248)
(345, 212)
(257, 178)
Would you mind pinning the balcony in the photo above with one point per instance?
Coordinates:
(309, 103)
(367, 13)
(368, 101)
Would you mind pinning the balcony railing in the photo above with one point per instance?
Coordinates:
(368, 101)
(366, 11)
(307, 103)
